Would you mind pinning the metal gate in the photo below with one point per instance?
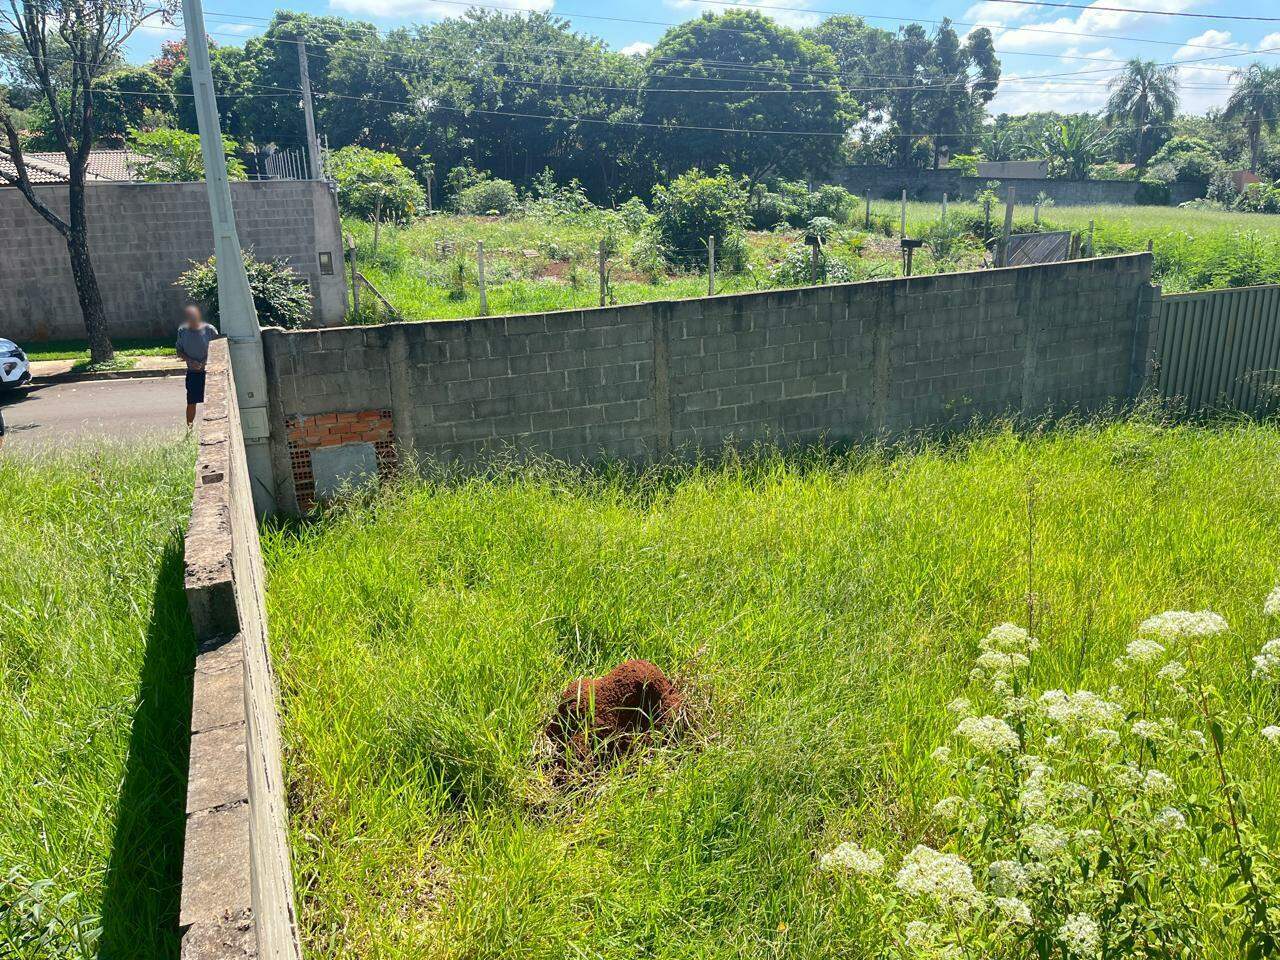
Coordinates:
(1220, 349)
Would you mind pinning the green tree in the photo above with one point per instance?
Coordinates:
(1255, 104)
(696, 206)
(63, 48)
(1145, 98)
(794, 90)
(125, 99)
(1075, 145)
(173, 156)
(371, 183)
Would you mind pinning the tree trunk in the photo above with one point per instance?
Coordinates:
(95, 315)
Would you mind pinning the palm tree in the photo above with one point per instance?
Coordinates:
(1255, 102)
(1074, 145)
(1144, 95)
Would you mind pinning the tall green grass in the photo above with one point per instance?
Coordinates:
(95, 659)
(820, 611)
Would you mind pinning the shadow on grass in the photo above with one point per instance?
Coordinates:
(140, 902)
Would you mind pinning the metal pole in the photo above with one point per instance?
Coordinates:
(484, 299)
(236, 312)
(711, 265)
(355, 276)
(944, 208)
(1091, 238)
(313, 143)
(867, 222)
(814, 263)
(904, 212)
(1037, 213)
(377, 222)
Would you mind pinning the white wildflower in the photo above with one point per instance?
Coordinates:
(1266, 665)
(1183, 624)
(1081, 936)
(1006, 877)
(1271, 734)
(948, 808)
(1148, 730)
(1169, 820)
(961, 706)
(1044, 840)
(1009, 638)
(854, 859)
(1126, 775)
(1013, 910)
(996, 662)
(1105, 736)
(919, 934)
(1271, 606)
(1157, 784)
(1144, 650)
(1171, 672)
(1197, 739)
(941, 754)
(988, 734)
(1083, 707)
(943, 877)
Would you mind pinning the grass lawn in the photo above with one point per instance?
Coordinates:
(820, 615)
(79, 349)
(427, 270)
(95, 660)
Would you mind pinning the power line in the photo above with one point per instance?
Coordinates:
(1144, 12)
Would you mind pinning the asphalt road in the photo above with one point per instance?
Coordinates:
(65, 415)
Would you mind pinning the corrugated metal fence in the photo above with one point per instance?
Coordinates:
(1220, 349)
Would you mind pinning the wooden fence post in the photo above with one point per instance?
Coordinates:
(904, 212)
(867, 223)
(711, 265)
(355, 276)
(604, 275)
(944, 208)
(1008, 227)
(484, 298)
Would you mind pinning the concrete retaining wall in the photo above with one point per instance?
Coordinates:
(889, 182)
(142, 236)
(237, 888)
(792, 366)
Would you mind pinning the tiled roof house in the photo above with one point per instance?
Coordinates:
(104, 166)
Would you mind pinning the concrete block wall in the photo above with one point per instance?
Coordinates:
(889, 182)
(790, 366)
(237, 885)
(142, 236)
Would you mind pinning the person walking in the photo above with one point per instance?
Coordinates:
(194, 337)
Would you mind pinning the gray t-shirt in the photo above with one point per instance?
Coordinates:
(195, 343)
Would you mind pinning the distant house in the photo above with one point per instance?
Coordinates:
(105, 166)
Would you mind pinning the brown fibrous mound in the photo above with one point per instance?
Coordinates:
(608, 714)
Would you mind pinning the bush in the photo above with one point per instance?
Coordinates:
(835, 203)
(281, 296)
(696, 206)
(173, 156)
(770, 210)
(796, 268)
(488, 197)
(1152, 193)
(1186, 160)
(370, 181)
(563, 203)
(966, 163)
(1259, 198)
(634, 215)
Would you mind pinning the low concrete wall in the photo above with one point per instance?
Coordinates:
(791, 366)
(886, 182)
(237, 887)
(141, 237)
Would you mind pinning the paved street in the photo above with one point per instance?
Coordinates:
(64, 415)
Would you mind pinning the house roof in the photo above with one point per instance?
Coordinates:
(104, 165)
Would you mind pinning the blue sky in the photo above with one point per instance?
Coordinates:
(1053, 58)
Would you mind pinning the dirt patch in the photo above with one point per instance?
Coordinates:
(602, 717)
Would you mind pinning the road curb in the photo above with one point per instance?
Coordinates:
(59, 378)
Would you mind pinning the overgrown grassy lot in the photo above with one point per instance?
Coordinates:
(95, 658)
(820, 614)
(428, 270)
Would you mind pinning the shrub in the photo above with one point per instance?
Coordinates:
(833, 202)
(696, 206)
(372, 182)
(770, 209)
(634, 215)
(488, 197)
(173, 156)
(796, 269)
(563, 203)
(281, 296)
(1187, 160)
(966, 163)
(1259, 198)
(1152, 193)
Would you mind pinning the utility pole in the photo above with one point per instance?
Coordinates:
(236, 312)
(313, 142)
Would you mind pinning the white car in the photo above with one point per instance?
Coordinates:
(15, 371)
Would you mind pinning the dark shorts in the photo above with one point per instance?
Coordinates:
(195, 386)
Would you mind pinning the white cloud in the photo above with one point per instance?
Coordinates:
(637, 49)
(790, 18)
(425, 9)
(1032, 97)
(1210, 38)
(1094, 19)
(1270, 42)
(990, 14)
(235, 27)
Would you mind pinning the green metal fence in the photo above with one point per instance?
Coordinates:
(1220, 349)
